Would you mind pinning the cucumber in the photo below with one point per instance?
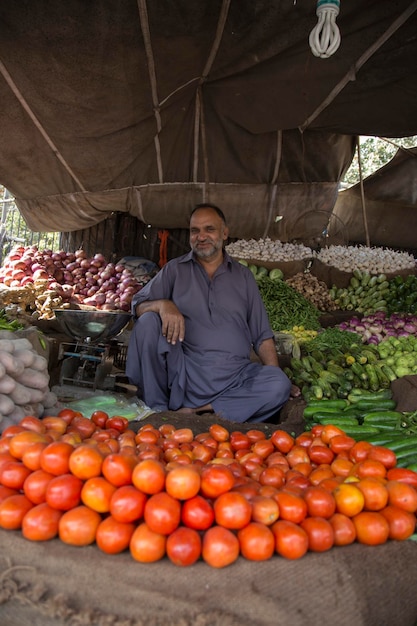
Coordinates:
(337, 403)
(376, 405)
(342, 422)
(385, 438)
(384, 417)
(405, 451)
(407, 460)
(362, 394)
(360, 433)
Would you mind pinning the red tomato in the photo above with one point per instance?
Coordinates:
(113, 536)
(372, 528)
(257, 542)
(96, 493)
(149, 476)
(118, 468)
(12, 511)
(219, 433)
(146, 546)
(183, 546)
(264, 510)
(117, 422)
(127, 504)
(183, 482)
(13, 474)
(197, 513)
(297, 454)
(220, 547)
(343, 529)
(239, 441)
(30, 422)
(320, 533)
(78, 526)
(402, 524)
(5, 492)
(36, 484)
(386, 456)
(64, 492)
(319, 454)
(273, 475)
(375, 493)
(85, 461)
(403, 475)
(402, 495)
(99, 418)
(232, 510)
(162, 513)
(21, 442)
(292, 507)
(215, 480)
(282, 440)
(291, 541)
(55, 457)
(320, 502)
(41, 523)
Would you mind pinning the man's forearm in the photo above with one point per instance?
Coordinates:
(152, 306)
(267, 352)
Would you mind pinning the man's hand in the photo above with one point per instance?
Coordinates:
(173, 324)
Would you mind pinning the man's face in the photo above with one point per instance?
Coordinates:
(207, 233)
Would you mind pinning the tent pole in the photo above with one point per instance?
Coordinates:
(365, 221)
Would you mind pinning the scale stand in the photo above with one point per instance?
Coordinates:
(87, 365)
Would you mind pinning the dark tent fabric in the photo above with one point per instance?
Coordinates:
(389, 205)
(146, 108)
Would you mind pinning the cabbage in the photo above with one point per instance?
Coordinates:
(276, 274)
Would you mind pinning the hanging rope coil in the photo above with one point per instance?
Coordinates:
(325, 39)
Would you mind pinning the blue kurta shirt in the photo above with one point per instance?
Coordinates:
(224, 318)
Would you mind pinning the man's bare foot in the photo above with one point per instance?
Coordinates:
(185, 410)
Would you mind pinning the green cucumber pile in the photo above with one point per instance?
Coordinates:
(371, 417)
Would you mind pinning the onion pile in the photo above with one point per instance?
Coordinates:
(377, 327)
(74, 276)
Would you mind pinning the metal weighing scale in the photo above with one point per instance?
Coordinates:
(88, 361)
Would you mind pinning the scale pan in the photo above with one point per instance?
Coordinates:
(94, 326)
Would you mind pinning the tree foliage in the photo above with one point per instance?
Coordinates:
(375, 153)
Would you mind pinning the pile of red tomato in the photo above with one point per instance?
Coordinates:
(165, 492)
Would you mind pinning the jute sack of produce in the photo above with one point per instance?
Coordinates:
(331, 275)
(404, 392)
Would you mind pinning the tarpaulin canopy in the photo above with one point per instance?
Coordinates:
(388, 204)
(146, 108)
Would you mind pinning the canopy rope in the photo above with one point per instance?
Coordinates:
(365, 219)
(144, 23)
